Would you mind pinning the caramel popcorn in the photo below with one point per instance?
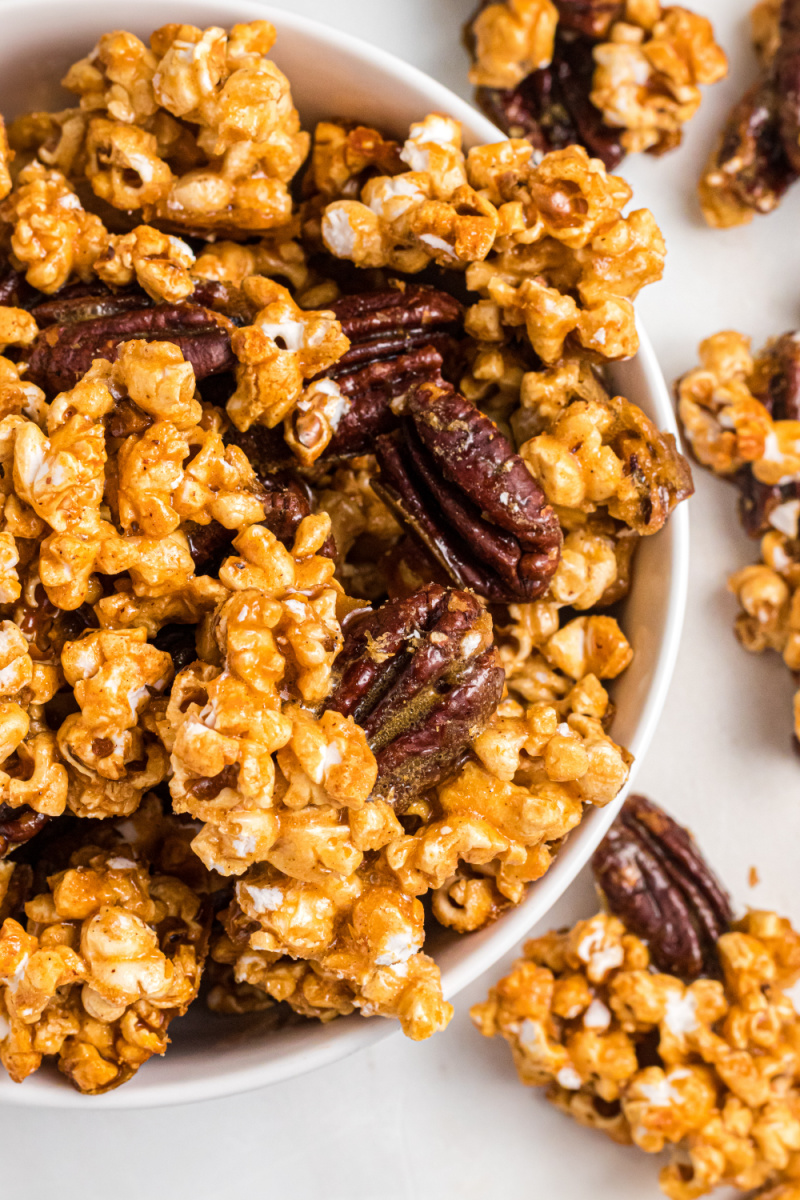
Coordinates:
(646, 79)
(5, 160)
(616, 77)
(719, 1082)
(224, 595)
(109, 955)
(158, 262)
(282, 348)
(197, 130)
(52, 236)
(769, 594)
(511, 41)
(741, 416)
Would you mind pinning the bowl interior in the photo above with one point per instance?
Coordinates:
(334, 75)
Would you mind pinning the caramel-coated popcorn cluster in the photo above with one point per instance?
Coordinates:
(615, 77)
(630, 1038)
(303, 582)
(741, 416)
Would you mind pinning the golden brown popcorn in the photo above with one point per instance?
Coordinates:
(115, 677)
(646, 79)
(17, 328)
(705, 995)
(279, 254)
(278, 629)
(511, 41)
(428, 213)
(727, 425)
(159, 263)
(281, 349)
(110, 955)
(198, 131)
(566, 262)
(5, 160)
(52, 236)
(614, 77)
(361, 938)
(769, 594)
(606, 452)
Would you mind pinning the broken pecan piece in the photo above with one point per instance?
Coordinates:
(655, 880)
(452, 478)
(749, 170)
(422, 677)
(18, 825)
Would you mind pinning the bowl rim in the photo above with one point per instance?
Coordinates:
(354, 1032)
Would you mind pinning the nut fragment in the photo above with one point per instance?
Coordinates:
(498, 535)
(421, 677)
(654, 879)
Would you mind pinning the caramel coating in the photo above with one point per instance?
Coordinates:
(722, 1088)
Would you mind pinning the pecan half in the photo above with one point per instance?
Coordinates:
(18, 825)
(758, 500)
(63, 353)
(749, 170)
(780, 367)
(655, 880)
(591, 17)
(452, 478)
(422, 678)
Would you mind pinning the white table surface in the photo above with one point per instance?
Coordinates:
(447, 1119)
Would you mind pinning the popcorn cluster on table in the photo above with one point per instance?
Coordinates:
(145, 788)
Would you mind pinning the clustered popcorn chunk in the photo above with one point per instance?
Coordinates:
(241, 653)
(615, 77)
(545, 244)
(197, 130)
(107, 956)
(577, 1006)
(769, 595)
(741, 416)
(683, 1037)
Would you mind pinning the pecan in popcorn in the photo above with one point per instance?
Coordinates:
(65, 349)
(654, 879)
(769, 595)
(757, 156)
(740, 415)
(421, 678)
(18, 826)
(654, 1060)
(614, 78)
(551, 106)
(498, 535)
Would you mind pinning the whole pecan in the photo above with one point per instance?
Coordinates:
(422, 678)
(452, 478)
(655, 880)
(18, 825)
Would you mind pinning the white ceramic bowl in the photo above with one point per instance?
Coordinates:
(336, 75)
